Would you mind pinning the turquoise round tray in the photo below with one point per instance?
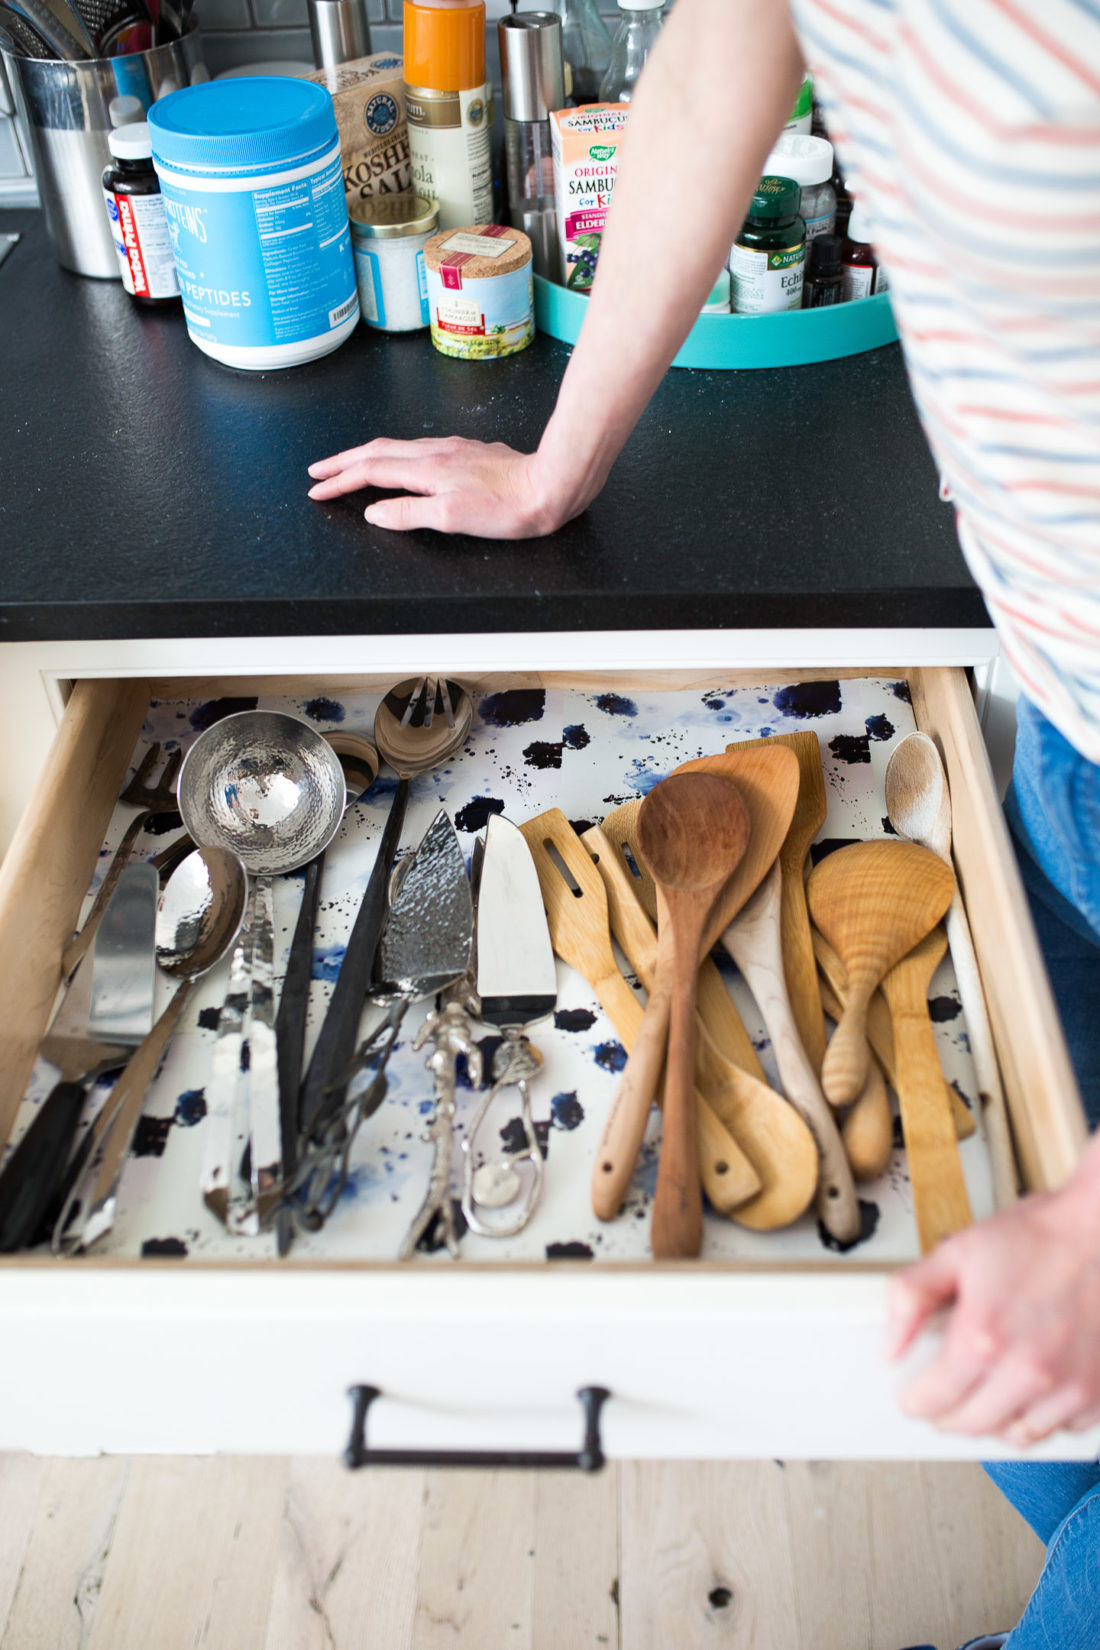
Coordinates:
(725, 341)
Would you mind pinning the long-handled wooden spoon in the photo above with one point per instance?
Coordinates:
(692, 833)
(777, 1142)
(753, 941)
(940, 1200)
(918, 803)
(880, 1032)
(798, 952)
(873, 901)
(767, 780)
(580, 935)
(725, 1025)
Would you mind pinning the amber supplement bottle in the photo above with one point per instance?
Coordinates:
(449, 108)
(138, 220)
(863, 275)
(767, 257)
(824, 280)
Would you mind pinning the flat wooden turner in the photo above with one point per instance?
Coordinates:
(940, 1200)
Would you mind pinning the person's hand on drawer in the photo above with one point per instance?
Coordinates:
(1021, 1354)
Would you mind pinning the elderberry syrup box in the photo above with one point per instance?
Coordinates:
(585, 145)
(369, 97)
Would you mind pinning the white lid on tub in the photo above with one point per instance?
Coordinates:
(808, 160)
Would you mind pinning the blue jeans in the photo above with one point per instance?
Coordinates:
(1053, 811)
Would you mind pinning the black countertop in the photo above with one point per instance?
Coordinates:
(149, 491)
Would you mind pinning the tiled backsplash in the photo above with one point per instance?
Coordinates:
(246, 31)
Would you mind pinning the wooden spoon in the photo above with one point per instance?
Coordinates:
(940, 1200)
(777, 1142)
(798, 952)
(768, 782)
(580, 934)
(873, 901)
(620, 829)
(753, 941)
(880, 1032)
(692, 833)
(918, 803)
(868, 1129)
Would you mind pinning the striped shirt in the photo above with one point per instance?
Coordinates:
(970, 132)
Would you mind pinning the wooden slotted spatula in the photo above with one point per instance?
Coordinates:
(873, 901)
(693, 830)
(940, 1200)
(580, 934)
(775, 1139)
(798, 952)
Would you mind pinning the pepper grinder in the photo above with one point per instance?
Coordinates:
(339, 31)
(533, 85)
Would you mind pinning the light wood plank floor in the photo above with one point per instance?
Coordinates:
(231, 1553)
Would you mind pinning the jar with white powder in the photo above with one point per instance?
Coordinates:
(809, 160)
(388, 237)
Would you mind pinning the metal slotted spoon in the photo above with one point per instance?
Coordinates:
(271, 789)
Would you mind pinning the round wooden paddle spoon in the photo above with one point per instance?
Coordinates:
(692, 833)
(874, 901)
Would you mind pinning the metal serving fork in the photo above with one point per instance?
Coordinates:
(151, 797)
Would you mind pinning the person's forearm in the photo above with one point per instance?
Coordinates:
(715, 94)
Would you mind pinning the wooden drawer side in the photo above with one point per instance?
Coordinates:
(46, 870)
(1045, 1109)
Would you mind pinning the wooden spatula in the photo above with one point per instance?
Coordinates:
(767, 780)
(880, 1032)
(753, 941)
(620, 829)
(693, 830)
(580, 935)
(873, 901)
(940, 1200)
(798, 952)
(775, 1139)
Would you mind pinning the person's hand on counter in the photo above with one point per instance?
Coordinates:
(452, 485)
(725, 71)
(1021, 1354)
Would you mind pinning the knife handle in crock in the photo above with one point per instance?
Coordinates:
(327, 1078)
(30, 1179)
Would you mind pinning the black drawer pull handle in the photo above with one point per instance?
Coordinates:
(589, 1458)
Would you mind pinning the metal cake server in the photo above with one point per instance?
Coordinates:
(516, 985)
(425, 946)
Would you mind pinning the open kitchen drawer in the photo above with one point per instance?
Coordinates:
(748, 1351)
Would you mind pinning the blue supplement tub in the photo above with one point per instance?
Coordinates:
(254, 192)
